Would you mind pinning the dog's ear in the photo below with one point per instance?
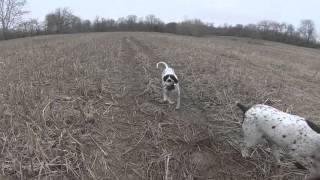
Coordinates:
(166, 77)
(313, 126)
(174, 79)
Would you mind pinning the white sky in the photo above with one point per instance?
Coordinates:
(215, 11)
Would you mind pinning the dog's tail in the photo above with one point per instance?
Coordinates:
(242, 107)
(161, 62)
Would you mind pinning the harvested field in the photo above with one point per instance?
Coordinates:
(89, 106)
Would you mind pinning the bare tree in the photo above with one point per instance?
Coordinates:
(11, 11)
(264, 25)
(31, 26)
(86, 26)
(152, 20)
(132, 21)
(103, 25)
(153, 23)
(290, 30)
(308, 30)
(62, 21)
(194, 27)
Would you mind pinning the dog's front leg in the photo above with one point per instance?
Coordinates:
(276, 153)
(251, 138)
(165, 96)
(178, 98)
(244, 150)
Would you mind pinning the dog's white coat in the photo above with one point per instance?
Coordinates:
(285, 131)
(169, 71)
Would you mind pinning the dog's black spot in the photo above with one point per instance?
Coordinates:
(293, 149)
(300, 133)
(295, 142)
(284, 136)
(273, 127)
(313, 126)
(299, 166)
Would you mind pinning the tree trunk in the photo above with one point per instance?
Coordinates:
(4, 30)
(4, 34)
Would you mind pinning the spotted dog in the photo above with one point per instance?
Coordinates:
(170, 83)
(295, 135)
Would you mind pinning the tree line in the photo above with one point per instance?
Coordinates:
(62, 21)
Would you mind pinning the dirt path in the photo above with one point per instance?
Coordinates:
(190, 112)
(146, 125)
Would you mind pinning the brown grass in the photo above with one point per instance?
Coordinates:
(88, 106)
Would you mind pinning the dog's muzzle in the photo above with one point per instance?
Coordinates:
(170, 87)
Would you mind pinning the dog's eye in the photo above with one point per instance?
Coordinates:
(165, 77)
(174, 78)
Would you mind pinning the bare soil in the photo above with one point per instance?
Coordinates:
(89, 106)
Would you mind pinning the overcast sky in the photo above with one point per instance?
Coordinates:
(215, 11)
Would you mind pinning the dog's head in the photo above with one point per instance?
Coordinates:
(170, 80)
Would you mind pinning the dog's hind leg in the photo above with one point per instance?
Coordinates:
(251, 138)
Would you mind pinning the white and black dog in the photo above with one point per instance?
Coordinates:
(295, 135)
(170, 83)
